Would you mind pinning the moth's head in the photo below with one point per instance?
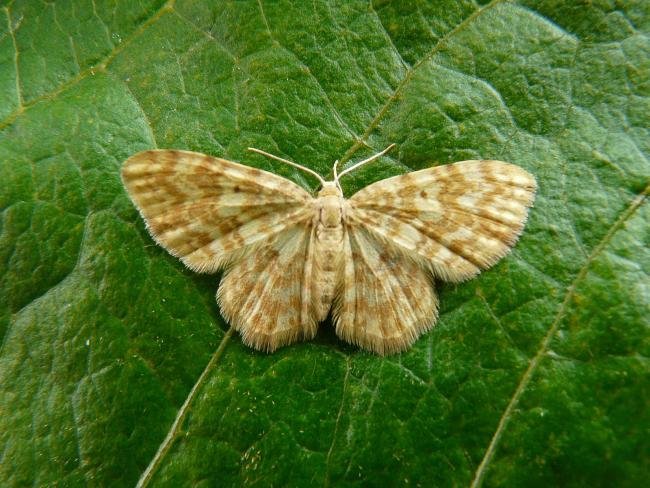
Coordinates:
(330, 189)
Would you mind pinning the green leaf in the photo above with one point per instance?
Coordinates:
(537, 371)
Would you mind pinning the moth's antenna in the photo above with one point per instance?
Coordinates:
(360, 163)
(336, 176)
(290, 163)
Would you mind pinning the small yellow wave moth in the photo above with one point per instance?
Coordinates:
(290, 258)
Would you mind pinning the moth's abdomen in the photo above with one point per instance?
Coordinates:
(328, 244)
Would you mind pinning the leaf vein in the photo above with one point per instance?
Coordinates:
(176, 426)
(479, 475)
(363, 141)
(329, 103)
(389, 39)
(11, 32)
(101, 66)
(338, 420)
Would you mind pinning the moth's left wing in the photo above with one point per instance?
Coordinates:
(209, 211)
(459, 218)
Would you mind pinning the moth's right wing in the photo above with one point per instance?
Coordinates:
(386, 298)
(449, 222)
(268, 294)
(207, 210)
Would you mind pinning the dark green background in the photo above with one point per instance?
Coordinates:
(543, 360)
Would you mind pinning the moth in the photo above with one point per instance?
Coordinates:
(290, 258)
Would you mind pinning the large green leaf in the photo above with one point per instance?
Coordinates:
(537, 372)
